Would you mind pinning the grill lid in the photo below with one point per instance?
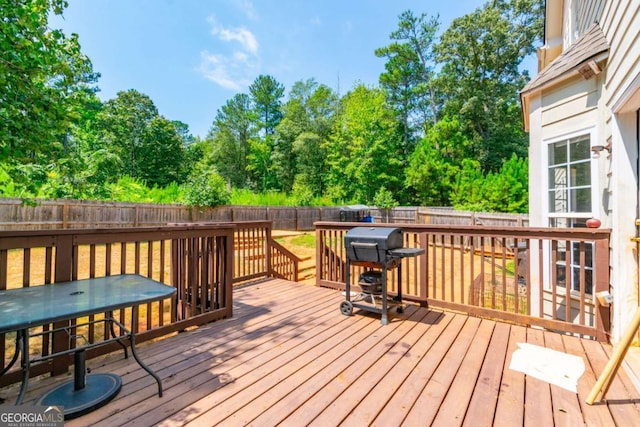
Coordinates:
(371, 243)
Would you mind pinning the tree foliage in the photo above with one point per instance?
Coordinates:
(363, 152)
(266, 94)
(230, 136)
(45, 82)
(410, 72)
(443, 127)
(480, 76)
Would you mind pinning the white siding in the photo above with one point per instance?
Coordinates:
(588, 12)
(570, 107)
(621, 27)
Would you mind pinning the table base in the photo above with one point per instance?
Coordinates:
(98, 391)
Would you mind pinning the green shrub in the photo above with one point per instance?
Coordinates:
(206, 188)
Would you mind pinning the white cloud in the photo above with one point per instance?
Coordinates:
(232, 70)
(229, 72)
(249, 10)
(241, 35)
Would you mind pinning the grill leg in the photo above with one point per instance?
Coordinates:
(384, 319)
(398, 298)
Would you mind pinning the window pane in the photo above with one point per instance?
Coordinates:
(558, 177)
(580, 149)
(558, 153)
(561, 275)
(558, 222)
(588, 281)
(581, 199)
(558, 201)
(581, 174)
(588, 254)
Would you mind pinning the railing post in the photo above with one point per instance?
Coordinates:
(268, 248)
(601, 270)
(319, 259)
(228, 277)
(423, 260)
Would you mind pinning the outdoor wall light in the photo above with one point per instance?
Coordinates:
(596, 149)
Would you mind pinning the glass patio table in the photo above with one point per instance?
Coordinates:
(25, 308)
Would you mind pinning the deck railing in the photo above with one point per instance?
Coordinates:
(201, 260)
(197, 260)
(256, 254)
(546, 277)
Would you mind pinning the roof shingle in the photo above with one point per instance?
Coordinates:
(590, 45)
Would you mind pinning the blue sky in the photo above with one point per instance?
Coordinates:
(191, 56)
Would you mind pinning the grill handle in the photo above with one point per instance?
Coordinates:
(364, 245)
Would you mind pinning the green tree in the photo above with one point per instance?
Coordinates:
(45, 81)
(310, 110)
(120, 127)
(231, 133)
(409, 73)
(505, 190)
(436, 161)
(480, 76)
(206, 187)
(149, 147)
(468, 191)
(363, 152)
(385, 201)
(162, 152)
(266, 94)
(309, 151)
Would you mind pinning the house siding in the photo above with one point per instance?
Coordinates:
(569, 107)
(606, 106)
(588, 12)
(621, 26)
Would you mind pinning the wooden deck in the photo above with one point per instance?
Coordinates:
(288, 357)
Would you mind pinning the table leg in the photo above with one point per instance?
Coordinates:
(14, 359)
(79, 370)
(23, 340)
(134, 327)
(113, 335)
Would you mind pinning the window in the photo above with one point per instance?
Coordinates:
(570, 176)
(570, 205)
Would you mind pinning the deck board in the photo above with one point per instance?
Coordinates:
(288, 357)
(538, 409)
(566, 407)
(481, 409)
(510, 397)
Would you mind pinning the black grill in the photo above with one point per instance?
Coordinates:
(379, 249)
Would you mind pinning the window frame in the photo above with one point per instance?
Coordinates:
(571, 216)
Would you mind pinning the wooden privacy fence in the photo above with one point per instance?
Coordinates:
(62, 214)
(546, 277)
(448, 216)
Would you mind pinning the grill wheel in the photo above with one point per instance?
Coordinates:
(346, 308)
